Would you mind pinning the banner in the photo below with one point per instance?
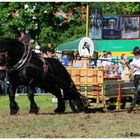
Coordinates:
(130, 27)
(111, 27)
(95, 22)
(86, 47)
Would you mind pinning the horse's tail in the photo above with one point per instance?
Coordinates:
(63, 79)
(78, 102)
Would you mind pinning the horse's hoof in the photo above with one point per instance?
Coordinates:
(59, 111)
(14, 112)
(31, 112)
(34, 111)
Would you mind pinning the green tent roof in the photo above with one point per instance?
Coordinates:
(72, 45)
(101, 45)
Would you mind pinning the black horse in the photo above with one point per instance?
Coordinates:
(25, 67)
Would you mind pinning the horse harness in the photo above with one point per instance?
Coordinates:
(22, 63)
(25, 62)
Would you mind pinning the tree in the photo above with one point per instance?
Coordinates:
(39, 19)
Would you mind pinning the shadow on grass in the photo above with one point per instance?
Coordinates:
(89, 110)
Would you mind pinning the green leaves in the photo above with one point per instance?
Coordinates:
(39, 20)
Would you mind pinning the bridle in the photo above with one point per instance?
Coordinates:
(27, 55)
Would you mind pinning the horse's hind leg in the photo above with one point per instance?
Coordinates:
(13, 105)
(33, 106)
(61, 103)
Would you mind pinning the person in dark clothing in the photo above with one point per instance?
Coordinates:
(50, 50)
(135, 66)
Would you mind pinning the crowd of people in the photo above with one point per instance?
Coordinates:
(111, 65)
(114, 66)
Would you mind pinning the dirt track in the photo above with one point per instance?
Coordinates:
(68, 125)
(48, 124)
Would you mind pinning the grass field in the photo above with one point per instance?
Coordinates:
(67, 125)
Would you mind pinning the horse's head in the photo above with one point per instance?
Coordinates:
(11, 51)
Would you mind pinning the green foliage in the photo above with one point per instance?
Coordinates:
(38, 19)
(119, 8)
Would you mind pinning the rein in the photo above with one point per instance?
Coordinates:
(25, 58)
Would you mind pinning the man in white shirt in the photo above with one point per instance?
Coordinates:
(135, 65)
(37, 49)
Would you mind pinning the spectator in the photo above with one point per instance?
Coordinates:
(70, 64)
(104, 59)
(115, 69)
(92, 61)
(110, 63)
(110, 59)
(50, 50)
(77, 62)
(99, 62)
(135, 64)
(122, 64)
(74, 55)
(64, 59)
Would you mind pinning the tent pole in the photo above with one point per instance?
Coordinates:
(87, 19)
(87, 24)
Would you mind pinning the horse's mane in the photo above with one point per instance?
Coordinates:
(14, 43)
(13, 47)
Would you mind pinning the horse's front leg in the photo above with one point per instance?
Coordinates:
(61, 102)
(13, 105)
(33, 106)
